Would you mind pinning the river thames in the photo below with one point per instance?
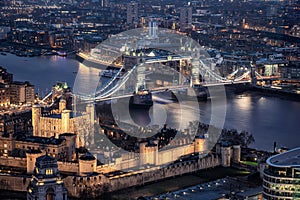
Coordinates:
(268, 118)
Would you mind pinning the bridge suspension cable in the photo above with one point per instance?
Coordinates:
(119, 84)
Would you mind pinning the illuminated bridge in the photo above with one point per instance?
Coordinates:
(199, 74)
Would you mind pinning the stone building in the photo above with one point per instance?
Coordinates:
(46, 182)
(64, 121)
(16, 123)
(62, 148)
(229, 153)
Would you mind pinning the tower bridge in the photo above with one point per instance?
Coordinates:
(153, 60)
(116, 87)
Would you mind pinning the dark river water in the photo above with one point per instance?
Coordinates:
(268, 118)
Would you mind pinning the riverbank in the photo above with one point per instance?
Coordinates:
(21, 50)
(276, 92)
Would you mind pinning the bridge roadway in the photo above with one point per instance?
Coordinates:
(178, 87)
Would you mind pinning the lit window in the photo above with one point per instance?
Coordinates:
(49, 171)
(5, 145)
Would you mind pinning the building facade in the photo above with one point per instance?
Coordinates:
(52, 124)
(281, 179)
(132, 13)
(46, 182)
(14, 92)
(21, 92)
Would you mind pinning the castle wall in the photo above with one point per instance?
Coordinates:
(121, 182)
(14, 183)
(13, 162)
(97, 184)
(169, 155)
(68, 167)
(77, 186)
(22, 163)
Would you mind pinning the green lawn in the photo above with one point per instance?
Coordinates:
(155, 188)
(220, 172)
(250, 163)
(178, 182)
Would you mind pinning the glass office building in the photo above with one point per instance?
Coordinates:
(282, 178)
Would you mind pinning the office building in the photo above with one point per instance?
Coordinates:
(282, 177)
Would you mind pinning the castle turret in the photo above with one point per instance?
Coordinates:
(225, 155)
(31, 156)
(65, 120)
(149, 153)
(36, 114)
(87, 164)
(236, 153)
(200, 145)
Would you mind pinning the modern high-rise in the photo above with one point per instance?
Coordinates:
(282, 177)
(185, 18)
(132, 13)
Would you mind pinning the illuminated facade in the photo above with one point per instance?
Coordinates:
(63, 121)
(46, 182)
(21, 92)
(282, 177)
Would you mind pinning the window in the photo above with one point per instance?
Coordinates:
(49, 171)
(5, 145)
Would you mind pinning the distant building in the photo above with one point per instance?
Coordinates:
(18, 122)
(5, 77)
(282, 177)
(4, 95)
(4, 30)
(290, 71)
(46, 182)
(14, 92)
(270, 66)
(132, 13)
(21, 92)
(185, 18)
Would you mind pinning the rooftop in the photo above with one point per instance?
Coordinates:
(58, 116)
(41, 140)
(290, 158)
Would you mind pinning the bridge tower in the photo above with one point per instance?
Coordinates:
(253, 76)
